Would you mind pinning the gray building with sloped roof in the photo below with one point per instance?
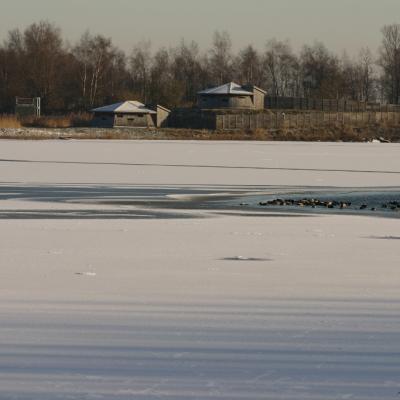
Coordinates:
(232, 96)
(130, 114)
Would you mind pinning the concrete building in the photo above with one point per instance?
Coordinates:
(232, 96)
(130, 114)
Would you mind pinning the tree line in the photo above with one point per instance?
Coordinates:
(38, 62)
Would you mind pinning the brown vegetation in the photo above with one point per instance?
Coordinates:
(66, 121)
(9, 121)
(54, 122)
(337, 133)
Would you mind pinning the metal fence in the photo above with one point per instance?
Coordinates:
(279, 120)
(304, 103)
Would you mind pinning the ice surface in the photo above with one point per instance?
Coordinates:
(193, 304)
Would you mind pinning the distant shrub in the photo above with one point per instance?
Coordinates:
(64, 121)
(9, 121)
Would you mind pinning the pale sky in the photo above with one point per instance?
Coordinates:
(340, 24)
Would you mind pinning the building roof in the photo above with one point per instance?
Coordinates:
(125, 107)
(164, 108)
(231, 88)
(260, 90)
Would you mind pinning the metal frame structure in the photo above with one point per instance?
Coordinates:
(28, 106)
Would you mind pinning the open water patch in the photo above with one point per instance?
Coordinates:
(384, 237)
(379, 202)
(243, 258)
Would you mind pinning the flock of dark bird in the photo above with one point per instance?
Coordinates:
(314, 203)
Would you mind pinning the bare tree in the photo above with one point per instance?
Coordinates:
(162, 85)
(140, 65)
(321, 72)
(221, 58)
(351, 78)
(281, 68)
(102, 54)
(367, 72)
(12, 76)
(97, 59)
(118, 76)
(82, 52)
(389, 61)
(43, 48)
(37, 62)
(187, 69)
(249, 66)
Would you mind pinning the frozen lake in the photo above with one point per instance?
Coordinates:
(129, 270)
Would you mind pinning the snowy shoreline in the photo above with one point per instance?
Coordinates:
(375, 134)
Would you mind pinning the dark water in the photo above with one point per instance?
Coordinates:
(166, 201)
(375, 202)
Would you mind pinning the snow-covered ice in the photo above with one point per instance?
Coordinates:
(105, 298)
